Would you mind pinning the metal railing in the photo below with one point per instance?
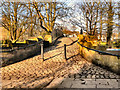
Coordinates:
(100, 52)
(64, 47)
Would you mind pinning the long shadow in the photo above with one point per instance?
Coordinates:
(52, 56)
(22, 47)
(51, 74)
(57, 42)
(38, 53)
(63, 46)
(61, 53)
(72, 43)
(73, 56)
(66, 45)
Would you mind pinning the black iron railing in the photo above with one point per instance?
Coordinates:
(100, 52)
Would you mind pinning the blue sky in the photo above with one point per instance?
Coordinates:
(69, 3)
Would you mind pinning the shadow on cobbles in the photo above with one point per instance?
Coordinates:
(52, 56)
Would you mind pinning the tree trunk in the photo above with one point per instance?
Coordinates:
(15, 21)
(100, 24)
(110, 24)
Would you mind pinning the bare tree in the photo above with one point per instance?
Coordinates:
(112, 13)
(14, 20)
(47, 13)
(85, 16)
(90, 11)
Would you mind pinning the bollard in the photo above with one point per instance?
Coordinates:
(65, 51)
(42, 51)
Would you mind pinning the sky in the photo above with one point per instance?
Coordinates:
(72, 2)
(69, 3)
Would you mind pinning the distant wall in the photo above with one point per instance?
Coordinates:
(108, 61)
(56, 33)
(20, 54)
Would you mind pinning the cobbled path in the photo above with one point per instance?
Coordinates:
(35, 73)
(53, 71)
(92, 76)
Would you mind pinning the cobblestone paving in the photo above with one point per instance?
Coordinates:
(35, 73)
(92, 76)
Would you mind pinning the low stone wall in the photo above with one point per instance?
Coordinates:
(108, 61)
(20, 54)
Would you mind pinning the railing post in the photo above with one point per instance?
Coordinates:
(65, 51)
(42, 51)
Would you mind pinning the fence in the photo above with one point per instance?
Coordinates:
(107, 60)
(42, 52)
(100, 52)
(18, 54)
(64, 49)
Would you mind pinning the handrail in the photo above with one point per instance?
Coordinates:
(100, 52)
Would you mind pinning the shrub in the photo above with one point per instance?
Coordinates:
(6, 43)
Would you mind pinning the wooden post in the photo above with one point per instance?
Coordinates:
(42, 51)
(65, 51)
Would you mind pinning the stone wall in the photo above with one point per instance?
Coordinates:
(20, 54)
(56, 33)
(107, 61)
